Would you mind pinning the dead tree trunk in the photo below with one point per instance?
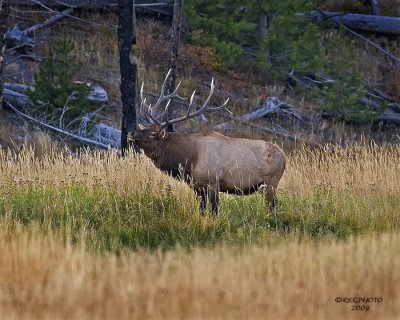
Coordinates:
(262, 26)
(126, 39)
(174, 53)
(3, 26)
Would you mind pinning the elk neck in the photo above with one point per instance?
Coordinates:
(176, 152)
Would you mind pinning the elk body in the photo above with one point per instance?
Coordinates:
(211, 162)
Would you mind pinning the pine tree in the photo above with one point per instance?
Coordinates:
(55, 91)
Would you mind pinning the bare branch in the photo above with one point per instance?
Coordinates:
(64, 110)
(58, 130)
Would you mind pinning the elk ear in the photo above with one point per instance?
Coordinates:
(141, 127)
(163, 134)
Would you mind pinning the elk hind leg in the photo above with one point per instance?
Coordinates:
(270, 195)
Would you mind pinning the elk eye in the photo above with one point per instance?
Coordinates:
(153, 134)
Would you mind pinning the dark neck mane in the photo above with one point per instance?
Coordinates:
(172, 155)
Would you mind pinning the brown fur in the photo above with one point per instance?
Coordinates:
(214, 162)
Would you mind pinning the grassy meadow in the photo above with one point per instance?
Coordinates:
(99, 236)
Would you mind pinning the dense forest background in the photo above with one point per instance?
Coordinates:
(333, 85)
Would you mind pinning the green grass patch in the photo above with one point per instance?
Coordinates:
(145, 218)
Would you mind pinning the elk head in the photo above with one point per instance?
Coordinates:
(147, 135)
(158, 122)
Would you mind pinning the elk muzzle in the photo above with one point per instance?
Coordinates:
(131, 136)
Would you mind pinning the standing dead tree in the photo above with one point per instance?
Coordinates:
(128, 69)
(174, 51)
(3, 20)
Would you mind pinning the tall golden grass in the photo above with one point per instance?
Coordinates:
(41, 278)
(44, 274)
(364, 168)
(91, 169)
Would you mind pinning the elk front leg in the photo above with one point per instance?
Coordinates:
(213, 197)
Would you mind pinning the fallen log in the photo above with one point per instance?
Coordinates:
(391, 114)
(271, 106)
(265, 129)
(360, 22)
(15, 97)
(20, 38)
(337, 23)
(50, 20)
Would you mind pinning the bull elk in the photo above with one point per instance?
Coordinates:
(210, 162)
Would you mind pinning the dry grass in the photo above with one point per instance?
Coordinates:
(361, 168)
(96, 168)
(331, 191)
(364, 168)
(42, 278)
(49, 272)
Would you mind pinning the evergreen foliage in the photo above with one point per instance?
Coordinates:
(342, 98)
(226, 26)
(290, 43)
(231, 28)
(55, 91)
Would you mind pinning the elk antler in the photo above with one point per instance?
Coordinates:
(149, 112)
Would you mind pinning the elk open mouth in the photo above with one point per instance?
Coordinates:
(131, 137)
